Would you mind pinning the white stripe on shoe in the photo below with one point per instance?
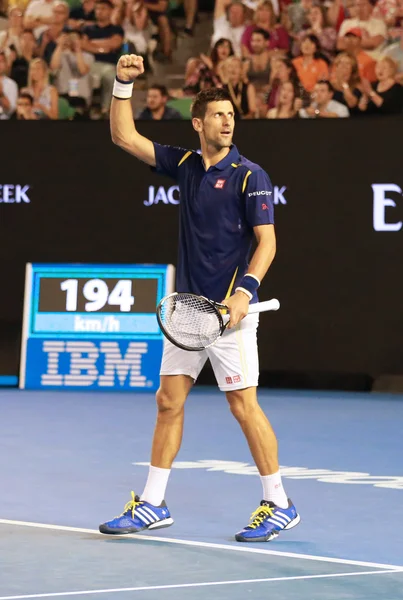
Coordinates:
(154, 516)
(143, 516)
(281, 514)
(277, 521)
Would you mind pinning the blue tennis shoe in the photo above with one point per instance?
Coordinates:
(138, 515)
(267, 521)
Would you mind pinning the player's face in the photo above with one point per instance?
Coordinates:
(217, 127)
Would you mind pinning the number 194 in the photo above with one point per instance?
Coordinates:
(97, 294)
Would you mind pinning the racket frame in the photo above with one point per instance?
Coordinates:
(215, 305)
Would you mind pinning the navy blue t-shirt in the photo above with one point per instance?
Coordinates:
(219, 208)
(95, 32)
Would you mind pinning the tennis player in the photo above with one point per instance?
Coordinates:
(226, 200)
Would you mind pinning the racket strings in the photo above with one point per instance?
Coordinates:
(190, 320)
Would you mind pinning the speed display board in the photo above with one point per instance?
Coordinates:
(93, 326)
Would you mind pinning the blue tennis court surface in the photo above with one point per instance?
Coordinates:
(68, 462)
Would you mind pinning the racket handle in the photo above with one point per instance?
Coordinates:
(272, 304)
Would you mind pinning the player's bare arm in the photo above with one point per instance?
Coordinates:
(123, 130)
(262, 258)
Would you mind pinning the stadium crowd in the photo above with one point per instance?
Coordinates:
(276, 58)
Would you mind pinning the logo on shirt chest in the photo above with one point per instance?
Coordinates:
(219, 184)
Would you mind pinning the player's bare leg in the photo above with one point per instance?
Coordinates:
(171, 398)
(276, 511)
(256, 428)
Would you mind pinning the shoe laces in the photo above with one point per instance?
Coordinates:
(132, 505)
(259, 515)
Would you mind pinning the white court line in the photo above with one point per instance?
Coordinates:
(230, 548)
(192, 585)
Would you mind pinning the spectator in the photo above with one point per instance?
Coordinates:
(337, 11)
(8, 90)
(265, 19)
(38, 16)
(385, 96)
(207, 71)
(229, 23)
(10, 38)
(104, 41)
(323, 105)
(283, 71)
(298, 15)
(25, 110)
(366, 64)
(157, 109)
(71, 67)
(327, 36)
(82, 16)
(242, 94)
(137, 29)
(258, 67)
(309, 67)
(345, 80)
(287, 104)
(157, 10)
(387, 11)
(47, 40)
(19, 63)
(45, 95)
(395, 52)
(373, 31)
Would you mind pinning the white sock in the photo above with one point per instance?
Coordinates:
(273, 489)
(157, 482)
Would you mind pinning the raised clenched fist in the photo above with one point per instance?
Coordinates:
(129, 67)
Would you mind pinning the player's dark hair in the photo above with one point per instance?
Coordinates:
(161, 88)
(203, 98)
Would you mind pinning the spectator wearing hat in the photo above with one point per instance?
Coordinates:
(104, 41)
(323, 106)
(373, 31)
(366, 64)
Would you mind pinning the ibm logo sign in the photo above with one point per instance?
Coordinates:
(83, 358)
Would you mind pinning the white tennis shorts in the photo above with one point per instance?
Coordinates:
(234, 357)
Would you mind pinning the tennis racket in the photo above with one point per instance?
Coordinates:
(194, 323)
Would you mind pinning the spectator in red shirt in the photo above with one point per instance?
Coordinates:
(366, 64)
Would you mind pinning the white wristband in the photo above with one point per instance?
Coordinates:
(241, 289)
(123, 91)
